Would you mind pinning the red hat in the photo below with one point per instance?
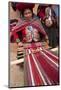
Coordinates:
(22, 6)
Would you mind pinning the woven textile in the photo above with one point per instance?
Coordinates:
(41, 66)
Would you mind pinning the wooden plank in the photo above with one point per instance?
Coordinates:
(54, 49)
(17, 61)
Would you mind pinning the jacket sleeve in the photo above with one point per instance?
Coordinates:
(16, 37)
(41, 29)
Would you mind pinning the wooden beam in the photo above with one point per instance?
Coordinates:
(17, 61)
(54, 49)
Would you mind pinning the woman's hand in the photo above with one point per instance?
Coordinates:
(47, 40)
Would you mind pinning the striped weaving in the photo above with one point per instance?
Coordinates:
(41, 66)
(20, 53)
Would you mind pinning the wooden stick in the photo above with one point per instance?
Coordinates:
(54, 49)
(17, 61)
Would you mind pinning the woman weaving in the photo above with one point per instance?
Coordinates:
(40, 68)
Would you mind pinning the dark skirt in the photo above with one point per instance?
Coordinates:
(52, 33)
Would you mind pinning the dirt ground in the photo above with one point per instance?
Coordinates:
(16, 72)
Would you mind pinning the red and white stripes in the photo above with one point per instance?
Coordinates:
(43, 67)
